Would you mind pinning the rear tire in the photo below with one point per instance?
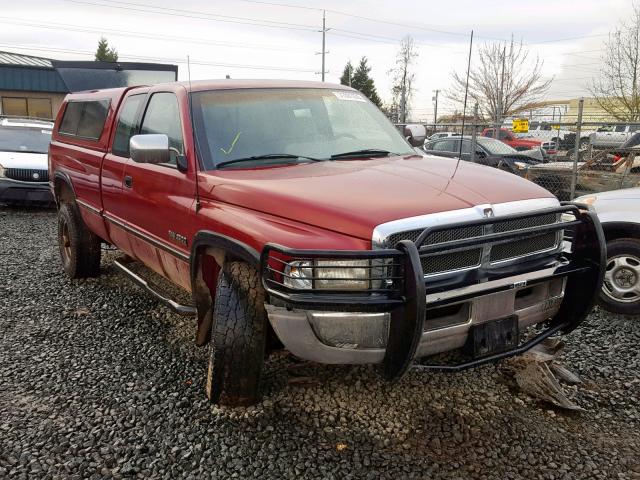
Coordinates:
(621, 288)
(238, 337)
(79, 247)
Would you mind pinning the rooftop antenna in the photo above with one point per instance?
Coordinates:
(193, 136)
(464, 108)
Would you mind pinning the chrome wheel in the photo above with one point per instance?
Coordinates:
(622, 279)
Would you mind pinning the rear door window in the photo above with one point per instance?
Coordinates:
(127, 125)
(84, 119)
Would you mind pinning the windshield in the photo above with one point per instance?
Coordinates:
(17, 139)
(302, 122)
(496, 147)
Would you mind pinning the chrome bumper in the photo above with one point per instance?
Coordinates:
(360, 338)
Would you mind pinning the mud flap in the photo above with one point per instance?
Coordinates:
(583, 288)
(406, 326)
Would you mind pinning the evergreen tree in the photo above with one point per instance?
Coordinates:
(346, 73)
(104, 53)
(360, 80)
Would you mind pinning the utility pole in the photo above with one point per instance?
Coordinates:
(435, 110)
(349, 66)
(324, 33)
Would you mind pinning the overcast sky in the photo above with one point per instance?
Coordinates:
(247, 39)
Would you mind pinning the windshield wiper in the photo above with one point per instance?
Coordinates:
(366, 152)
(269, 156)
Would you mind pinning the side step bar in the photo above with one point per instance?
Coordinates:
(173, 305)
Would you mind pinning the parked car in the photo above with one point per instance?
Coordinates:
(24, 174)
(306, 220)
(564, 139)
(489, 151)
(545, 131)
(443, 135)
(600, 173)
(612, 136)
(619, 213)
(508, 137)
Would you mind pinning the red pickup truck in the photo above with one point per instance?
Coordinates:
(298, 217)
(521, 144)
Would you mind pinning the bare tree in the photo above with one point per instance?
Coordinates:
(505, 81)
(616, 89)
(402, 90)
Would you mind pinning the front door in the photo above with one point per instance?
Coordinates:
(161, 196)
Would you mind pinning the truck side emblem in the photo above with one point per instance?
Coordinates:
(176, 237)
(520, 284)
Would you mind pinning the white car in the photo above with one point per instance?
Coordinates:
(612, 136)
(24, 173)
(619, 214)
(437, 135)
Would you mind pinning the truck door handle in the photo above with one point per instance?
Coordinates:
(128, 181)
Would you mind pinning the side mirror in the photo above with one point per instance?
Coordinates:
(481, 154)
(150, 148)
(415, 134)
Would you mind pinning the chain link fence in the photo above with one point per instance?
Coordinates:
(607, 156)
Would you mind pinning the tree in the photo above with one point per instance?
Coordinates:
(504, 82)
(347, 74)
(360, 80)
(616, 88)
(104, 53)
(402, 89)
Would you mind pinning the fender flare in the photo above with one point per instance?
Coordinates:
(64, 178)
(224, 247)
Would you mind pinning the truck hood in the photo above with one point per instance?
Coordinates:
(354, 196)
(32, 161)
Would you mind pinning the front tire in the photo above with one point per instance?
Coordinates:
(621, 287)
(79, 247)
(238, 337)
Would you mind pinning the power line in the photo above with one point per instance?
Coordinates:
(79, 28)
(421, 27)
(199, 15)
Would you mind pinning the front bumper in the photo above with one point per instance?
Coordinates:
(415, 318)
(17, 192)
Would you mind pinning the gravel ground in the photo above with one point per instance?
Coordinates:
(97, 380)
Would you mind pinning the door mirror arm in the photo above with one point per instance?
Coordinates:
(181, 161)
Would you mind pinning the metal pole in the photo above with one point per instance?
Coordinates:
(435, 111)
(499, 109)
(324, 31)
(349, 64)
(576, 150)
(474, 133)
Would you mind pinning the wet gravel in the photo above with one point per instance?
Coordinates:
(99, 381)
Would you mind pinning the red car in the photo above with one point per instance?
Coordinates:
(298, 217)
(510, 139)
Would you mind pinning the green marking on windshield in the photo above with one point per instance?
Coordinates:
(233, 144)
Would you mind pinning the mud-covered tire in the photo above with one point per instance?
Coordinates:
(79, 247)
(621, 288)
(238, 337)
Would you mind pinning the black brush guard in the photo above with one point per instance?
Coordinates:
(397, 283)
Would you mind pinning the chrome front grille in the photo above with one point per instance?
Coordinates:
(27, 174)
(433, 264)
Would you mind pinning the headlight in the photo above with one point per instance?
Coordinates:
(520, 165)
(589, 200)
(328, 274)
